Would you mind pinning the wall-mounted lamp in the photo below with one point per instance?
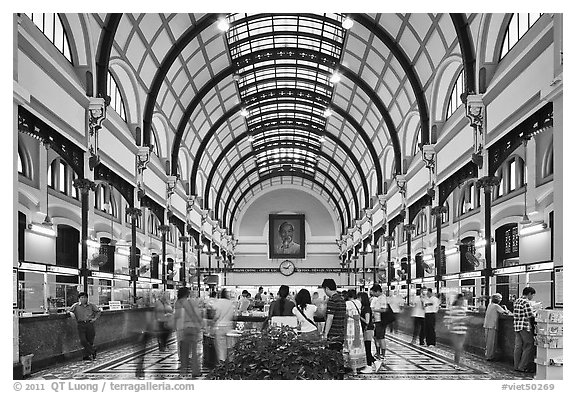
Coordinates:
(123, 251)
(45, 228)
(92, 243)
(452, 251)
(482, 242)
(533, 228)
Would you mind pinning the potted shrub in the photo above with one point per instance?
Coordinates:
(277, 353)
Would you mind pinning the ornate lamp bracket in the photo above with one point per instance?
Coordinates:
(142, 160)
(429, 158)
(476, 114)
(170, 186)
(383, 203)
(190, 203)
(96, 115)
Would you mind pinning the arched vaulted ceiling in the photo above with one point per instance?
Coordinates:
(279, 68)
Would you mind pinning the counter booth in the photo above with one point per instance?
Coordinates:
(509, 281)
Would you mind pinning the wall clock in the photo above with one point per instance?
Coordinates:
(287, 267)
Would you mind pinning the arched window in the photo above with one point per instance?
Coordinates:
(155, 145)
(105, 200)
(116, 101)
(421, 223)
(153, 224)
(128, 220)
(60, 177)
(455, 101)
(445, 216)
(22, 163)
(469, 198)
(170, 234)
(51, 26)
(518, 26)
(548, 164)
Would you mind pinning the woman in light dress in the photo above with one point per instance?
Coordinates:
(354, 350)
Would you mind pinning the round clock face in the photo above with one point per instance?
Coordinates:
(287, 268)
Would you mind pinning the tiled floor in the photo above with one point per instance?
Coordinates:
(403, 361)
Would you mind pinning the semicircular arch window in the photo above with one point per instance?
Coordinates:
(52, 27)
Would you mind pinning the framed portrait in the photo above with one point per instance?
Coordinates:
(287, 237)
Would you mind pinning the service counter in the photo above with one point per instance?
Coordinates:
(475, 340)
(53, 338)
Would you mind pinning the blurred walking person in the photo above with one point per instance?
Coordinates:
(456, 320)
(223, 313)
(188, 328)
(164, 320)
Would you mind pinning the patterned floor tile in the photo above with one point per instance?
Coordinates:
(403, 361)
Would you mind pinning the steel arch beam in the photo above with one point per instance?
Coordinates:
(347, 117)
(301, 175)
(406, 65)
(246, 134)
(230, 70)
(245, 158)
(162, 71)
(250, 172)
(467, 49)
(103, 55)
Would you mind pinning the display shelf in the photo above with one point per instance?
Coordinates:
(549, 344)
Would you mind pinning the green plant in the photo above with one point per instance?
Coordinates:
(277, 353)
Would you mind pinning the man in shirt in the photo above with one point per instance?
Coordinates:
(379, 305)
(523, 331)
(85, 314)
(258, 301)
(336, 317)
(431, 305)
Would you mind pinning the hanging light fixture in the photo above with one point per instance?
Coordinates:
(525, 220)
(223, 25)
(335, 78)
(347, 23)
(46, 227)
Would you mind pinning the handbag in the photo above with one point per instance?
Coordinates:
(388, 316)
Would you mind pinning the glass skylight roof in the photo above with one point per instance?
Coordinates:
(285, 63)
